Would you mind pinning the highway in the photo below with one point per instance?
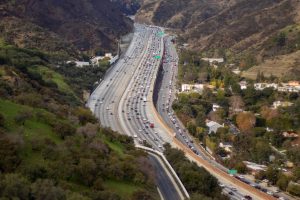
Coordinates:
(119, 102)
(124, 101)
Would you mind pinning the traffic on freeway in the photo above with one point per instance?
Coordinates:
(119, 102)
(123, 101)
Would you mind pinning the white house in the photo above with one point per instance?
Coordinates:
(262, 86)
(211, 60)
(226, 146)
(215, 107)
(243, 85)
(236, 71)
(213, 126)
(255, 167)
(192, 87)
(277, 104)
(79, 64)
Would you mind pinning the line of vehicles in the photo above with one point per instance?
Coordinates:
(134, 93)
(165, 99)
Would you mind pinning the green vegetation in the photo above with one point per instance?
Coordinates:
(49, 75)
(191, 68)
(52, 147)
(197, 180)
(252, 126)
(125, 189)
(83, 78)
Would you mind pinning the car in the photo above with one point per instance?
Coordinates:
(230, 193)
(282, 198)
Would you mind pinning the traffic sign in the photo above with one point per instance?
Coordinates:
(232, 171)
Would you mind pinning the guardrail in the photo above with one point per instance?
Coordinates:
(174, 175)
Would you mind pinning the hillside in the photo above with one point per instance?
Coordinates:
(63, 26)
(51, 146)
(232, 29)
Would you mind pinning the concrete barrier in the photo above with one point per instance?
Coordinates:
(175, 176)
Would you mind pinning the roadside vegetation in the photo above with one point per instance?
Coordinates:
(199, 183)
(51, 146)
(252, 126)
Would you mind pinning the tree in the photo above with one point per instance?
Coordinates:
(141, 195)
(64, 129)
(283, 182)
(86, 170)
(241, 167)
(9, 152)
(2, 120)
(245, 121)
(14, 186)
(21, 117)
(85, 116)
(272, 174)
(44, 189)
(281, 39)
(294, 189)
(191, 127)
(89, 130)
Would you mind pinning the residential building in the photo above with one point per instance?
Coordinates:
(255, 168)
(95, 60)
(226, 146)
(213, 126)
(212, 60)
(215, 107)
(290, 134)
(262, 86)
(243, 85)
(192, 87)
(79, 64)
(277, 104)
(236, 71)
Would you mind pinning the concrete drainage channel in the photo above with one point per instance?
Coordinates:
(169, 171)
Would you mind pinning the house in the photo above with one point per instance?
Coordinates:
(277, 104)
(243, 85)
(213, 126)
(212, 60)
(290, 134)
(262, 86)
(294, 83)
(79, 64)
(226, 146)
(255, 168)
(269, 129)
(192, 87)
(215, 107)
(95, 60)
(236, 71)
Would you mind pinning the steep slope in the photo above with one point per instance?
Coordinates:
(236, 30)
(51, 147)
(89, 25)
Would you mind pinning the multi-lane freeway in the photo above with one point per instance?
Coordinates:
(124, 101)
(119, 102)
